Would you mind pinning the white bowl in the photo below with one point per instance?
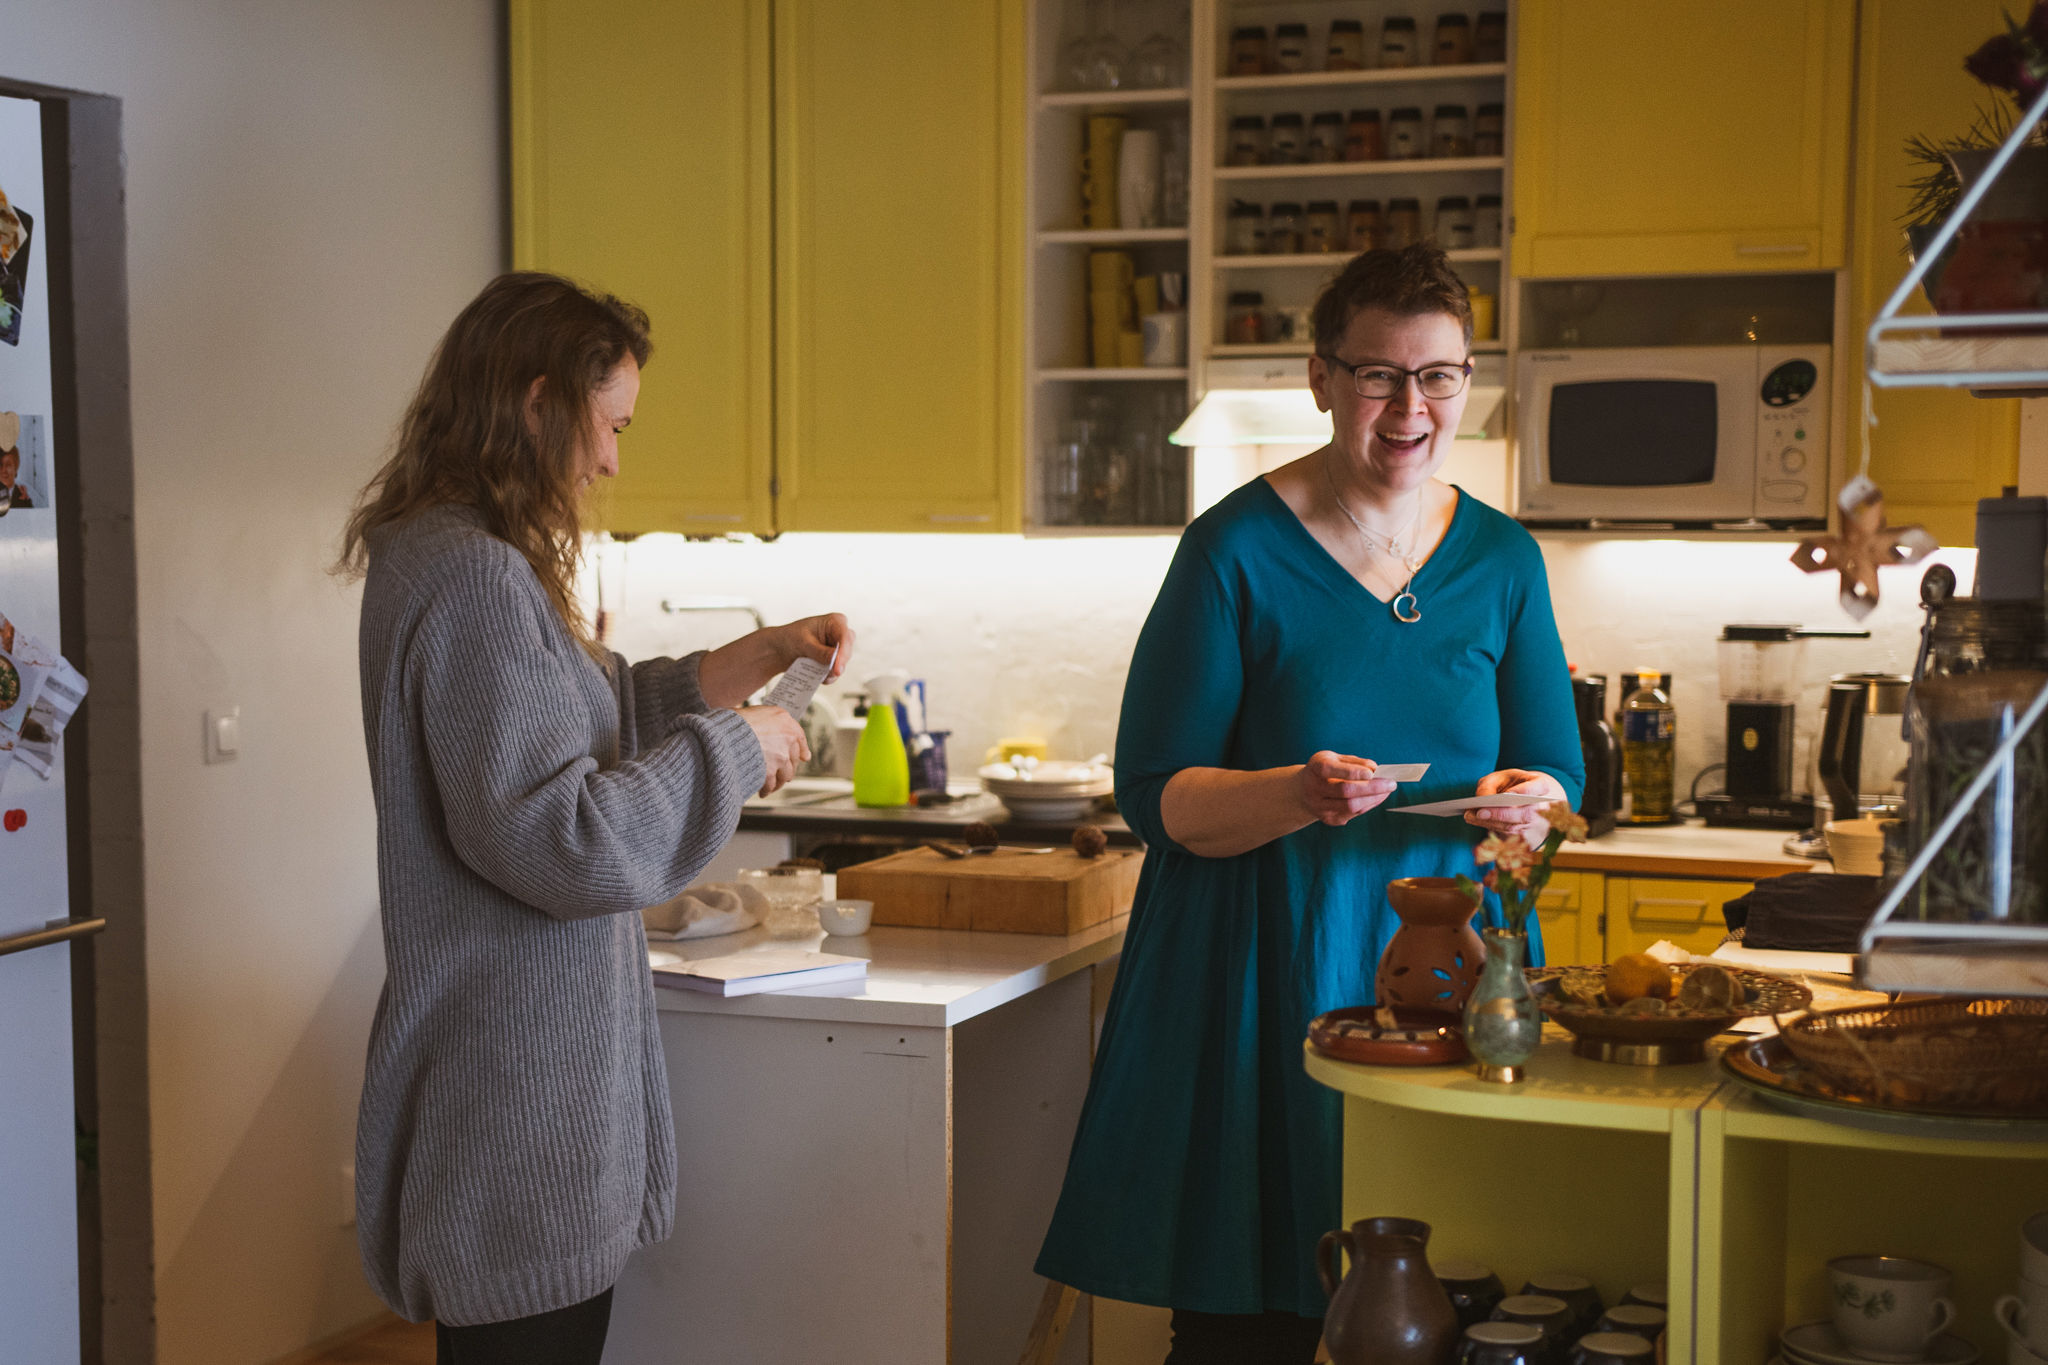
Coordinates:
(846, 918)
(1857, 846)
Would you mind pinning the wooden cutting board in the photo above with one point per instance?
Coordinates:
(1002, 892)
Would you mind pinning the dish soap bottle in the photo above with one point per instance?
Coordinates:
(1649, 737)
(881, 765)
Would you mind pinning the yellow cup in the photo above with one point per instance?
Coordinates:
(1109, 270)
(1484, 316)
(1099, 170)
(1130, 348)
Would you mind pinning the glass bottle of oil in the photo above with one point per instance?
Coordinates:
(1649, 738)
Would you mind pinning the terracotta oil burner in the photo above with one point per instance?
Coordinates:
(1389, 1309)
(1433, 960)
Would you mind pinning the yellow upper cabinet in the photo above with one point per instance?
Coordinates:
(1934, 452)
(899, 226)
(1673, 139)
(640, 165)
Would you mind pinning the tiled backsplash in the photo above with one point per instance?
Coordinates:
(1020, 636)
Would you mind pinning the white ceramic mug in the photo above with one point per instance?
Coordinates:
(1888, 1307)
(1137, 179)
(2024, 1315)
(2034, 1249)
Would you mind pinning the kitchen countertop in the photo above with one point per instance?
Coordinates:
(1692, 849)
(921, 977)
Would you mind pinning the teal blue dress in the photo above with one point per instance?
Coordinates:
(1206, 1163)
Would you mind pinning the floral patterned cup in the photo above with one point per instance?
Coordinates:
(1887, 1307)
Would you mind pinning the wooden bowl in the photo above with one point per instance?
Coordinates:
(1605, 1034)
(1423, 1037)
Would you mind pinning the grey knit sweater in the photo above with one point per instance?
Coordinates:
(515, 1142)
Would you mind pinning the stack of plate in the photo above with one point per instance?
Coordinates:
(1818, 1343)
(1047, 792)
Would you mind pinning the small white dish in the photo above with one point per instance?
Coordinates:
(1818, 1343)
(846, 918)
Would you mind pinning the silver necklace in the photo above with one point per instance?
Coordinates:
(1404, 606)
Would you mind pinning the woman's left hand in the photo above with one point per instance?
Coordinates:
(817, 637)
(1526, 821)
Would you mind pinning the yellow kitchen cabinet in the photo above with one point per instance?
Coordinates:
(1677, 139)
(899, 260)
(820, 206)
(1685, 910)
(1569, 911)
(1934, 452)
(641, 166)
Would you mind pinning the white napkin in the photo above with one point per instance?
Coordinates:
(704, 911)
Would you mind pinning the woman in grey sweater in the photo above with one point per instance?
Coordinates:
(533, 793)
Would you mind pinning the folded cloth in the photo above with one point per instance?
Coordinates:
(707, 910)
(1813, 912)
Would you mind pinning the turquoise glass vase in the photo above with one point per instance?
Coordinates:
(1502, 1023)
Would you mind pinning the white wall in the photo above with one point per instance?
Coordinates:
(313, 191)
(1033, 636)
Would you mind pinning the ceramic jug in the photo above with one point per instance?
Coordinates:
(1389, 1308)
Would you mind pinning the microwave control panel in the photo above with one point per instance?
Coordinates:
(1792, 432)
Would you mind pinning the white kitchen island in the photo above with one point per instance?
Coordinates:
(866, 1170)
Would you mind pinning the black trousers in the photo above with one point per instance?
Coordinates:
(566, 1336)
(1243, 1338)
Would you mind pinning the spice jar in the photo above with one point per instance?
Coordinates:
(1490, 36)
(1453, 41)
(1346, 49)
(1244, 320)
(1283, 229)
(1248, 51)
(1362, 136)
(1450, 132)
(1397, 41)
(1486, 220)
(1453, 230)
(1322, 233)
(1404, 134)
(1985, 662)
(1244, 229)
(1247, 141)
(1488, 128)
(1326, 137)
(1362, 225)
(1288, 144)
(1290, 47)
(1402, 226)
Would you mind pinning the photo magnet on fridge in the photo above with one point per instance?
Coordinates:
(17, 232)
(24, 462)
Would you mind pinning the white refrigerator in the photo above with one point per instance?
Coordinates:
(39, 1274)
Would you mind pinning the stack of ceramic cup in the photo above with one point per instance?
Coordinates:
(1557, 1319)
(1048, 792)
(2024, 1314)
(1886, 1308)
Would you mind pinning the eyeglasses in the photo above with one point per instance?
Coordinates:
(1384, 381)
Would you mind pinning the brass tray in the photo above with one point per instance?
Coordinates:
(1607, 1035)
(1767, 1068)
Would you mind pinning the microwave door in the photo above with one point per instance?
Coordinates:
(1661, 437)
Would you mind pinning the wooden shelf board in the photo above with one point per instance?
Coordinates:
(1961, 354)
(1329, 170)
(1090, 373)
(1264, 348)
(1400, 75)
(1110, 236)
(1306, 259)
(1980, 968)
(1066, 99)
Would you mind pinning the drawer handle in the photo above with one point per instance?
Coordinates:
(958, 516)
(1642, 910)
(1775, 249)
(718, 517)
(1553, 900)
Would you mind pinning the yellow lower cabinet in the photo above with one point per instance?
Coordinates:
(1687, 912)
(1569, 910)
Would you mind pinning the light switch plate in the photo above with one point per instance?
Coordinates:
(223, 736)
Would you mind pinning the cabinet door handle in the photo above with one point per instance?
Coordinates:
(719, 517)
(958, 517)
(1645, 910)
(1775, 249)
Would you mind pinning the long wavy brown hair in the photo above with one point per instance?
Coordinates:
(466, 438)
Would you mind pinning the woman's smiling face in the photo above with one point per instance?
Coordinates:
(1398, 442)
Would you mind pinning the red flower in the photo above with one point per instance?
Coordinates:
(2002, 63)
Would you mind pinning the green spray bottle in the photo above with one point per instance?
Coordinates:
(881, 765)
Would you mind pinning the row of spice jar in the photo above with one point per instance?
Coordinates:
(1247, 321)
(1288, 229)
(1288, 140)
(1456, 41)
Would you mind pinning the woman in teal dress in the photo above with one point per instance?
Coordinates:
(1344, 611)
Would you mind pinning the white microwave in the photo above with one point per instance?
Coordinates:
(1682, 436)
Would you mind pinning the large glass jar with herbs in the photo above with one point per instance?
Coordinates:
(1984, 663)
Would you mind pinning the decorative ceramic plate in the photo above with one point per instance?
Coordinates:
(1818, 1343)
(1669, 1037)
(1419, 1037)
(1768, 1068)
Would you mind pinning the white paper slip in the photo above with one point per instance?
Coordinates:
(1400, 772)
(1465, 803)
(764, 969)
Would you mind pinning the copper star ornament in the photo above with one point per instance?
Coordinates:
(1865, 545)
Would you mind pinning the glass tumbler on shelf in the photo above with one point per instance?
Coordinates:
(1095, 60)
(1060, 481)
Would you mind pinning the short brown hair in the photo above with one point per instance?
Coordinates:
(1410, 282)
(465, 438)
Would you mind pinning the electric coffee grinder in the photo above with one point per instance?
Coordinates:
(1760, 668)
